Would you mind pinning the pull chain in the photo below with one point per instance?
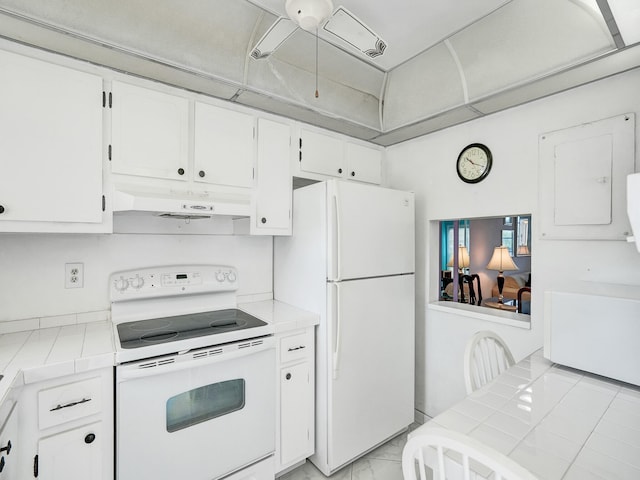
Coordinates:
(317, 95)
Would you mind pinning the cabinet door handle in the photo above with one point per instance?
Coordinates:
(201, 173)
(264, 220)
(1, 464)
(90, 438)
(299, 347)
(72, 404)
(181, 171)
(353, 174)
(1, 209)
(7, 448)
(339, 170)
(288, 376)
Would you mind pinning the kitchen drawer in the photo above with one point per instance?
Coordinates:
(296, 347)
(68, 402)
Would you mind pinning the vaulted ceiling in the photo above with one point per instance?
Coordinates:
(446, 62)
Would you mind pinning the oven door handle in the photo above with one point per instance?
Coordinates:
(149, 368)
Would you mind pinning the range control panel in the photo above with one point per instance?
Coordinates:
(172, 280)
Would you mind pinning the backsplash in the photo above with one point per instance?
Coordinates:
(32, 270)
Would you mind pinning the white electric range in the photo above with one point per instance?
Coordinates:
(195, 376)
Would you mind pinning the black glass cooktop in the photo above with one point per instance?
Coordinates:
(168, 329)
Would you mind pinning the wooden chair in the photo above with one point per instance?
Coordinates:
(524, 306)
(468, 279)
(457, 456)
(485, 357)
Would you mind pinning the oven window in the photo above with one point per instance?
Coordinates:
(204, 403)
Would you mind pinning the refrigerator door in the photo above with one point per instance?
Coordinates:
(371, 364)
(370, 231)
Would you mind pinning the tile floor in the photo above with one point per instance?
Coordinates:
(383, 463)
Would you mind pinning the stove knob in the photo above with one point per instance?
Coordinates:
(122, 284)
(137, 282)
(231, 276)
(220, 276)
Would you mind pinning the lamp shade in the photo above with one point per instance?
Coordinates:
(463, 258)
(501, 260)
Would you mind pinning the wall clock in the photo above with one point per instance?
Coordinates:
(474, 163)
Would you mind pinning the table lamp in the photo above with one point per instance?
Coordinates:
(501, 261)
(523, 250)
(463, 259)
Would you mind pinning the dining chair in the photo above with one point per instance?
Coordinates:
(452, 455)
(486, 356)
(524, 306)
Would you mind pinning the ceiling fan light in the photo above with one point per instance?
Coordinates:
(309, 14)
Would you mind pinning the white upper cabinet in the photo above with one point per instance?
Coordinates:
(51, 148)
(323, 155)
(273, 189)
(150, 132)
(364, 163)
(223, 146)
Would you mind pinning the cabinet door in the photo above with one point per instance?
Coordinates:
(224, 146)
(364, 163)
(296, 413)
(321, 153)
(72, 455)
(51, 148)
(9, 441)
(273, 190)
(150, 133)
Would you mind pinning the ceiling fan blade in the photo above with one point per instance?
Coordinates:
(273, 38)
(350, 29)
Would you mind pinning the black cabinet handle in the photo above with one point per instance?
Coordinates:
(353, 174)
(1, 209)
(288, 376)
(299, 347)
(7, 448)
(1, 464)
(264, 220)
(339, 170)
(72, 404)
(201, 173)
(181, 171)
(90, 438)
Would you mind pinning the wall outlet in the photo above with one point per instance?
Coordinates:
(73, 275)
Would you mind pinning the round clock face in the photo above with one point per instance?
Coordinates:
(474, 163)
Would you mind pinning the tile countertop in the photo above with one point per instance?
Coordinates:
(36, 355)
(558, 422)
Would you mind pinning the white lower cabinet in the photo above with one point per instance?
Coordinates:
(9, 441)
(66, 427)
(295, 417)
(76, 454)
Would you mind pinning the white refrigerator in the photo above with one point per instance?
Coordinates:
(351, 259)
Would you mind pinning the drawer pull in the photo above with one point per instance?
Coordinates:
(72, 404)
(1, 464)
(299, 347)
(7, 448)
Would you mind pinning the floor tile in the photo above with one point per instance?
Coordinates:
(308, 471)
(376, 469)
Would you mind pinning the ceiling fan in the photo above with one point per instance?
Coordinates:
(310, 15)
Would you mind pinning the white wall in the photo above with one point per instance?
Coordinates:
(32, 266)
(427, 166)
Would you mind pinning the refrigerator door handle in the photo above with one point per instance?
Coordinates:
(336, 343)
(337, 274)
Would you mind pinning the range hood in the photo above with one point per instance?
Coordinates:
(181, 204)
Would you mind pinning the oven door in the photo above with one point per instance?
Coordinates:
(197, 416)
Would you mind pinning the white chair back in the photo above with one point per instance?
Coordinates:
(452, 455)
(485, 357)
